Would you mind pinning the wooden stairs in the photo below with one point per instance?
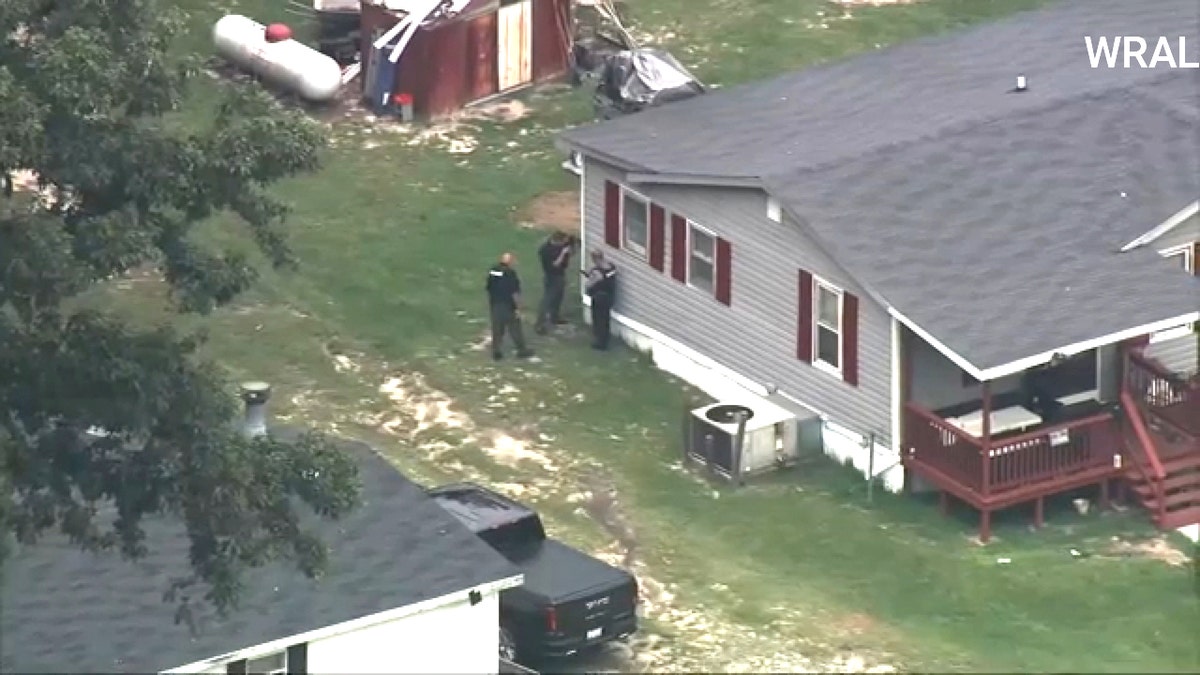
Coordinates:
(1162, 466)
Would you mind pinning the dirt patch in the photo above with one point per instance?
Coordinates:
(875, 3)
(1156, 549)
(855, 624)
(552, 211)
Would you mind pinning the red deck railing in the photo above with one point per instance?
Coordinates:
(1155, 386)
(1053, 451)
(1040, 456)
(943, 446)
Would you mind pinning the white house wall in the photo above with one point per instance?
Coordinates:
(1181, 354)
(457, 638)
(938, 383)
(753, 340)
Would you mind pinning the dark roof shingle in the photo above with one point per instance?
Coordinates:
(1027, 260)
(844, 109)
(989, 218)
(64, 610)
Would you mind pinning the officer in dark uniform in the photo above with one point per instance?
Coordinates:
(555, 255)
(601, 287)
(504, 300)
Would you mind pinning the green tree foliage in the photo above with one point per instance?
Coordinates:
(89, 96)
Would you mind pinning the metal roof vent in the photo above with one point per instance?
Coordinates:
(1022, 85)
(255, 394)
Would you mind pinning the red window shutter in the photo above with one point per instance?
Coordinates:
(804, 329)
(850, 338)
(612, 214)
(679, 247)
(657, 234)
(724, 272)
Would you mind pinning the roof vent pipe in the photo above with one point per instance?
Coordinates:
(255, 394)
(1021, 84)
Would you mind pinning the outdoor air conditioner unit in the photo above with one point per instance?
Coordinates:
(770, 439)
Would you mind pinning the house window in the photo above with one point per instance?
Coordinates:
(633, 223)
(701, 258)
(1181, 256)
(828, 326)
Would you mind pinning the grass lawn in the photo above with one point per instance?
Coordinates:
(379, 336)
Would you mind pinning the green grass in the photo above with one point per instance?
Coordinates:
(394, 240)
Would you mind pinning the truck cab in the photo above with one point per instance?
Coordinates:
(570, 601)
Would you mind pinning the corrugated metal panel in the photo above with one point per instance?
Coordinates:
(482, 80)
(415, 72)
(447, 66)
(552, 29)
(756, 336)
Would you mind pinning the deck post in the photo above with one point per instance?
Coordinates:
(1105, 502)
(1039, 511)
(986, 441)
(985, 526)
(943, 503)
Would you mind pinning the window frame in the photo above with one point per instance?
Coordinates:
(1183, 251)
(817, 325)
(712, 236)
(639, 250)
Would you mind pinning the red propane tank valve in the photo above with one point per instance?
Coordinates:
(278, 32)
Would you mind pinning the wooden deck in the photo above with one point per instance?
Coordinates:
(1162, 441)
(1016, 468)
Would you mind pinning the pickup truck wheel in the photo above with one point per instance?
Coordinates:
(508, 647)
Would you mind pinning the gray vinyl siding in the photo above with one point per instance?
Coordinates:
(756, 335)
(1181, 355)
(1186, 232)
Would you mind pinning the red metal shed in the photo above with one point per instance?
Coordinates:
(490, 47)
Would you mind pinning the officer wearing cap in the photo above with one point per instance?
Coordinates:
(601, 287)
(555, 255)
(504, 300)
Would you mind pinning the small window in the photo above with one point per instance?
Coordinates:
(828, 326)
(633, 223)
(267, 664)
(1182, 257)
(701, 257)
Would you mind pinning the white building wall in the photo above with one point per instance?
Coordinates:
(841, 444)
(456, 638)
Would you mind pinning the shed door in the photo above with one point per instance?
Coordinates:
(515, 44)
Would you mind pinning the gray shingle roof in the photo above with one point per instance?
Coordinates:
(989, 218)
(844, 109)
(935, 227)
(68, 611)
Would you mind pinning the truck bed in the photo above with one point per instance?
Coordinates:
(559, 573)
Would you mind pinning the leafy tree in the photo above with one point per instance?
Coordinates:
(90, 99)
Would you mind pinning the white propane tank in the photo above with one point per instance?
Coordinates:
(287, 64)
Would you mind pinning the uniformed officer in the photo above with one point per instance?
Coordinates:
(504, 300)
(601, 286)
(555, 255)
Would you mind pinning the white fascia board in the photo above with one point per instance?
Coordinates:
(1165, 227)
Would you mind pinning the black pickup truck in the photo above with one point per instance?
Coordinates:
(570, 601)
